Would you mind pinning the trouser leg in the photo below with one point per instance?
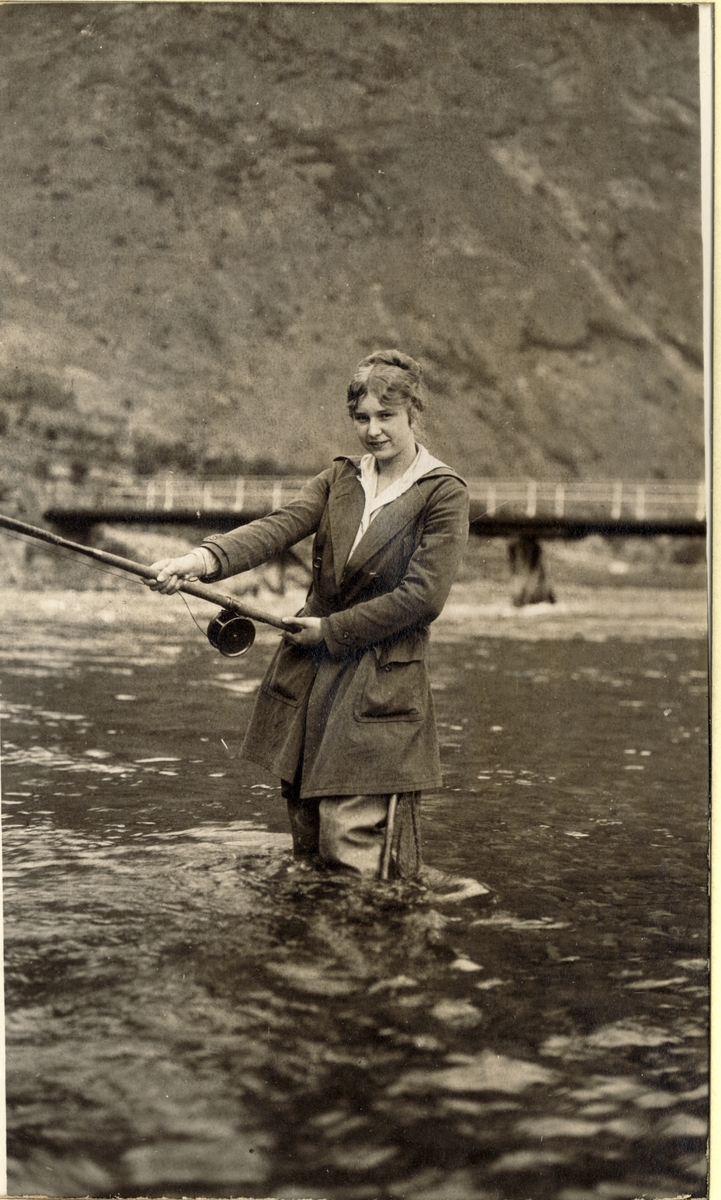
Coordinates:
(352, 831)
(304, 821)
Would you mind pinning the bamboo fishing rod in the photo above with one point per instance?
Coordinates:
(231, 631)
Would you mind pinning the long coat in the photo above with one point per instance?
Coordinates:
(355, 714)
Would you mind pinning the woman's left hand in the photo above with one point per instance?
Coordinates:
(309, 634)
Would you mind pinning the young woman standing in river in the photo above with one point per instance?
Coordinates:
(344, 715)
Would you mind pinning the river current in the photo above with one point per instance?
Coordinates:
(190, 1015)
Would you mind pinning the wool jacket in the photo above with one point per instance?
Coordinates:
(355, 714)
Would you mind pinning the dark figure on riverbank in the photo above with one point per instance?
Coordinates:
(530, 585)
(345, 715)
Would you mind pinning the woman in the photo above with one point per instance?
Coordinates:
(345, 715)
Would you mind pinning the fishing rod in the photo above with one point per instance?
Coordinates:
(231, 632)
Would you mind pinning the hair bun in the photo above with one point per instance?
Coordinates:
(395, 358)
(380, 373)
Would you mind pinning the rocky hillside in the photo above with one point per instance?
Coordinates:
(212, 211)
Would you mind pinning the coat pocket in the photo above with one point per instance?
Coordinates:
(290, 674)
(396, 690)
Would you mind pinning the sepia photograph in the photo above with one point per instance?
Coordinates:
(354, 708)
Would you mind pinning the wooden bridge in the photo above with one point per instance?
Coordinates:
(523, 512)
(531, 509)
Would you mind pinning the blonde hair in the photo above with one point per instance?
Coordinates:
(392, 377)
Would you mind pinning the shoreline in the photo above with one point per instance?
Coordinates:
(474, 609)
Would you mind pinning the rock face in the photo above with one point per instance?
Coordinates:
(211, 212)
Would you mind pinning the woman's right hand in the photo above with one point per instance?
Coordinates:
(171, 572)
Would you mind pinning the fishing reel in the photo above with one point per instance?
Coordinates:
(230, 634)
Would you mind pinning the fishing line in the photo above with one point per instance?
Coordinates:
(192, 614)
(90, 566)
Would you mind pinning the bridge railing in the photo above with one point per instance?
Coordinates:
(253, 492)
(611, 500)
(614, 500)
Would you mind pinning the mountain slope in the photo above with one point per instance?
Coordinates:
(211, 212)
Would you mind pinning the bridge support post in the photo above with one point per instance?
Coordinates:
(530, 585)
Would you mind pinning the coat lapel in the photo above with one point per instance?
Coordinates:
(389, 521)
(345, 509)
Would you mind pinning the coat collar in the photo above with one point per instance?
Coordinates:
(349, 468)
(346, 503)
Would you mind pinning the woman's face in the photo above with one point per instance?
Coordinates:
(384, 431)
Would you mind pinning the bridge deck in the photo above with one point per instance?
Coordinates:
(498, 507)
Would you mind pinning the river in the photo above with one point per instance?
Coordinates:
(190, 1015)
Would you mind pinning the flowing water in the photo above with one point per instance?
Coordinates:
(187, 1014)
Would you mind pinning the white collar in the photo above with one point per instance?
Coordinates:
(421, 465)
